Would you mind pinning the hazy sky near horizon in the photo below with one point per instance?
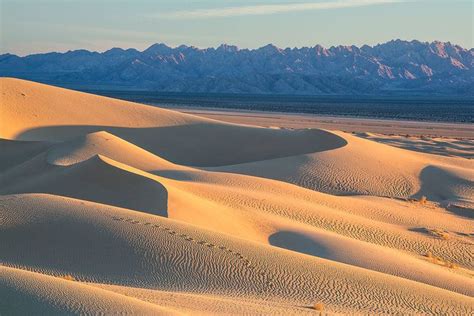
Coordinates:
(33, 26)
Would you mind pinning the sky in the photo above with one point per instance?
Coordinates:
(35, 26)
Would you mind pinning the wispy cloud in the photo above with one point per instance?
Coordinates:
(271, 9)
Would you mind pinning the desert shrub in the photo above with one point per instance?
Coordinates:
(439, 233)
(423, 200)
(439, 261)
(68, 277)
(319, 307)
(451, 265)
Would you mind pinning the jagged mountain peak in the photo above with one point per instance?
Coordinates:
(227, 48)
(397, 66)
(158, 48)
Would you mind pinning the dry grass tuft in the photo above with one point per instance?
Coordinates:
(68, 277)
(439, 261)
(451, 265)
(439, 233)
(423, 200)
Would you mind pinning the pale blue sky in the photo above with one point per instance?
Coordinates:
(31, 26)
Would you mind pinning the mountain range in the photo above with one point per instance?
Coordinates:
(393, 68)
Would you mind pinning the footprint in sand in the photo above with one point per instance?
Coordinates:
(246, 262)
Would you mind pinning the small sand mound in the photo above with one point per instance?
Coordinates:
(105, 144)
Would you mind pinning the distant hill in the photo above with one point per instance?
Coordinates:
(393, 68)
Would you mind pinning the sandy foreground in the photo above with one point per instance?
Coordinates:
(111, 207)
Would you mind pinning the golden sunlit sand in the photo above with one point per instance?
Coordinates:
(109, 206)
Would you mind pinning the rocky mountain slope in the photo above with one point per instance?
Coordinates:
(396, 67)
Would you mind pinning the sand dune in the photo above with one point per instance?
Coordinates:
(367, 168)
(53, 114)
(177, 256)
(31, 293)
(158, 212)
(103, 180)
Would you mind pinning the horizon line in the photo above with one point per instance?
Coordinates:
(237, 47)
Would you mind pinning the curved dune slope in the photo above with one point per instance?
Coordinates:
(43, 106)
(369, 168)
(30, 293)
(105, 144)
(153, 211)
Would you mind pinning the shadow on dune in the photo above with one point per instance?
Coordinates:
(206, 145)
(298, 242)
(421, 230)
(461, 211)
(178, 175)
(442, 185)
(14, 153)
(96, 179)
